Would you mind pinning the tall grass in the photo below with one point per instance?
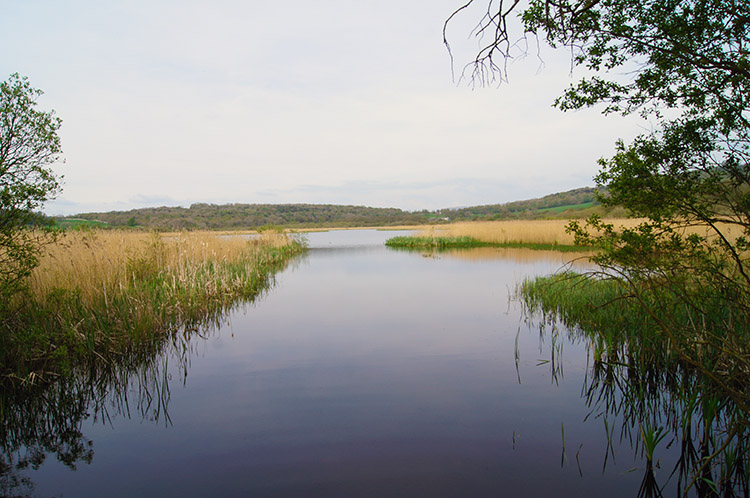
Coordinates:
(661, 365)
(427, 242)
(651, 326)
(540, 232)
(97, 293)
(534, 234)
(502, 232)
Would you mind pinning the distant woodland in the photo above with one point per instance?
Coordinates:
(571, 204)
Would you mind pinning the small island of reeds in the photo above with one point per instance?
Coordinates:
(548, 235)
(465, 242)
(434, 242)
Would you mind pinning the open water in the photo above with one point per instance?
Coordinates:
(364, 371)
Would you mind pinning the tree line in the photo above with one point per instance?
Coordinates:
(203, 216)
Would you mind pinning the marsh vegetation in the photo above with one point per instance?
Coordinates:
(663, 307)
(531, 234)
(674, 386)
(394, 372)
(100, 293)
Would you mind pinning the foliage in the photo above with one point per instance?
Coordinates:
(683, 64)
(252, 216)
(28, 146)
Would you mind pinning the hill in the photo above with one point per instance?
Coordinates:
(562, 204)
(245, 216)
(575, 203)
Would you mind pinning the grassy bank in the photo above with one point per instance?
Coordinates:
(652, 320)
(650, 326)
(667, 370)
(436, 242)
(98, 293)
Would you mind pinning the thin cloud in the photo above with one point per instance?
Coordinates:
(238, 102)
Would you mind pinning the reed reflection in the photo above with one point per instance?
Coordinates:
(574, 260)
(690, 436)
(44, 420)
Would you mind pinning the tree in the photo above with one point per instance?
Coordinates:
(29, 144)
(684, 64)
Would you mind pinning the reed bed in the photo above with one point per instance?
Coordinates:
(95, 263)
(539, 232)
(709, 332)
(542, 234)
(100, 292)
(662, 367)
(533, 234)
(434, 242)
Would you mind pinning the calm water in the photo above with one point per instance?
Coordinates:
(364, 372)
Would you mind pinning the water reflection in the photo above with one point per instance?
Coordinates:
(35, 424)
(691, 436)
(370, 372)
(43, 421)
(46, 420)
(571, 260)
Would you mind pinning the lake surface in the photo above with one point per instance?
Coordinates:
(364, 371)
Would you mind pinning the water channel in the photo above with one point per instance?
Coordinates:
(364, 371)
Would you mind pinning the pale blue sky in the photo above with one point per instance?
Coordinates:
(174, 102)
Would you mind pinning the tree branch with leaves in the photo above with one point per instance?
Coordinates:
(684, 65)
(29, 145)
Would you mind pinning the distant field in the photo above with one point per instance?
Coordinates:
(68, 223)
(571, 207)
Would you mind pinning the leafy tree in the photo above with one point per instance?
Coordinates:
(29, 144)
(684, 64)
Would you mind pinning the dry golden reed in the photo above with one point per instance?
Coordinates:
(522, 231)
(538, 231)
(101, 292)
(97, 263)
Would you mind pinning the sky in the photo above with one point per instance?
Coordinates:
(169, 103)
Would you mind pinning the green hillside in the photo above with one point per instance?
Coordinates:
(68, 223)
(575, 203)
(548, 206)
